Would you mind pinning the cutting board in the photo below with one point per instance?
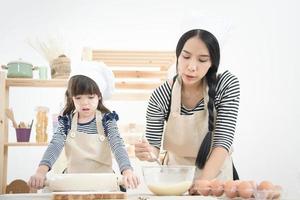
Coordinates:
(88, 195)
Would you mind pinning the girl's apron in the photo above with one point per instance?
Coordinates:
(88, 153)
(184, 134)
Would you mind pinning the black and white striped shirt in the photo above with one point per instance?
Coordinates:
(109, 122)
(226, 102)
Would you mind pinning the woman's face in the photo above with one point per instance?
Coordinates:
(193, 61)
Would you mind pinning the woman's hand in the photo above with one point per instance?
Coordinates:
(130, 180)
(143, 150)
(37, 181)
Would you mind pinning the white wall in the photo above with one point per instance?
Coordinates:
(261, 49)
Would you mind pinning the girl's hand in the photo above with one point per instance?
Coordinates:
(143, 150)
(37, 181)
(130, 180)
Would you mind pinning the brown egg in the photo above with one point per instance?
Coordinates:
(245, 189)
(230, 188)
(217, 187)
(254, 185)
(267, 187)
(204, 187)
(276, 191)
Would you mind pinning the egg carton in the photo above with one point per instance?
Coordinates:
(239, 190)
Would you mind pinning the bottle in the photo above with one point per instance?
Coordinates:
(41, 124)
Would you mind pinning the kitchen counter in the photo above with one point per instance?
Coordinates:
(48, 196)
(142, 196)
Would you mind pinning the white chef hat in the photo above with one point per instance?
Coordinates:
(98, 72)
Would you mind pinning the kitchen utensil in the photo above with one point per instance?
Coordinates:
(104, 182)
(168, 180)
(19, 69)
(153, 157)
(22, 125)
(10, 115)
(31, 124)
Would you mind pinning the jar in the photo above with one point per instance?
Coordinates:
(41, 124)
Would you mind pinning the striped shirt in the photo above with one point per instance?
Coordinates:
(111, 131)
(226, 102)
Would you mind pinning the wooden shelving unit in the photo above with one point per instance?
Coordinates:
(5, 85)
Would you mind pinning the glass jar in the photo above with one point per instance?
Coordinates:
(41, 124)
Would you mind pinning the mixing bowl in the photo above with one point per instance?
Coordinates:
(168, 180)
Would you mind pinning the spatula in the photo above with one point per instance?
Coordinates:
(10, 115)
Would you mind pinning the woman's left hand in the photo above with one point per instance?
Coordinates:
(130, 180)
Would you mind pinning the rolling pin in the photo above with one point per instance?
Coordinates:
(105, 182)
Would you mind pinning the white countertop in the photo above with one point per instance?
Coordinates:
(48, 196)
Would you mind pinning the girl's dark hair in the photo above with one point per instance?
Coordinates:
(211, 78)
(79, 85)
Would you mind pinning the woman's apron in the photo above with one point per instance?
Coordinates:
(184, 134)
(88, 153)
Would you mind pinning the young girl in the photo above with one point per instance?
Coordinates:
(88, 131)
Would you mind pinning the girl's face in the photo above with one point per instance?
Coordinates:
(86, 104)
(193, 61)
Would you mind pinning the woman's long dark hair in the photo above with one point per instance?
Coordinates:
(79, 85)
(211, 78)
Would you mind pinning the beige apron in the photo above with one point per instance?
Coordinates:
(184, 134)
(88, 153)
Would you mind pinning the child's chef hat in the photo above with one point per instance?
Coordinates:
(99, 73)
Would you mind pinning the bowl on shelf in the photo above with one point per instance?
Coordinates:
(168, 180)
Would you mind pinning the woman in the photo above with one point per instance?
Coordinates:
(200, 109)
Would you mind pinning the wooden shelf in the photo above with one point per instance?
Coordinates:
(22, 82)
(27, 144)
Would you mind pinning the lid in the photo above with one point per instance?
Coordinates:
(42, 109)
(20, 61)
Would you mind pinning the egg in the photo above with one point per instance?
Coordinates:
(276, 192)
(254, 185)
(267, 187)
(204, 187)
(230, 188)
(217, 187)
(245, 189)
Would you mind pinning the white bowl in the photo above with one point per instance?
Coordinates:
(168, 180)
